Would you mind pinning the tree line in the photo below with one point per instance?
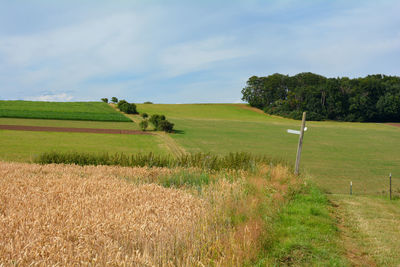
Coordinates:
(371, 98)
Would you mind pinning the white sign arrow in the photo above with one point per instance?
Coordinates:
(295, 132)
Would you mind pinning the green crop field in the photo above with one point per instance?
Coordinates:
(88, 111)
(334, 153)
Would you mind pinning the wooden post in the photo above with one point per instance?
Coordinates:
(303, 124)
(351, 188)
(390, 185)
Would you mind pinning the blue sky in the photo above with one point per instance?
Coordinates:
(186, 51)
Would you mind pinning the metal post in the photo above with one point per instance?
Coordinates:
(390, 185)
(303, 124)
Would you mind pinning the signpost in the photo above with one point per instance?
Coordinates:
(299, 147)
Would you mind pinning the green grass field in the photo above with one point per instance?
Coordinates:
(24, 145)
(89, 111)
(334, 153)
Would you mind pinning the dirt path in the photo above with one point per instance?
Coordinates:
(171, 145)
(370, 228)
(354, 253)
(395, 124)
(71, 130)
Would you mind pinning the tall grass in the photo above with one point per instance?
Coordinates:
(207, 161)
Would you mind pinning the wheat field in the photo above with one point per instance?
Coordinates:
(70, 215)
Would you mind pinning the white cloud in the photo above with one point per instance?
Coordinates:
(63, 97)
(198, 55)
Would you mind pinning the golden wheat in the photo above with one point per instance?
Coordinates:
(69, 215)
(107, 215)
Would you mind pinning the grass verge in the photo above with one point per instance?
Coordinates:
(304, 233)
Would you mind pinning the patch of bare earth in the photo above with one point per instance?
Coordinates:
(70, 130)
(395, 124)
(70, 216)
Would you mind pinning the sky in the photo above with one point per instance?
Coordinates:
(186, 51)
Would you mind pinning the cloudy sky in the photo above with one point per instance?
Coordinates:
(186, 51)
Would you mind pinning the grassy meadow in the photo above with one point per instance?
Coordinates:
(92, 111)
(24, 146)
(334, 153)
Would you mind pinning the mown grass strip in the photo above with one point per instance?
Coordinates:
(304, 234)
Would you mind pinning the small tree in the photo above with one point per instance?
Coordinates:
(121, 102)
(144, 115)
(148, 102)
(144, 124)
(128, 108)
(155, 119)
(105, 100)
(114, 99)
(165, 126)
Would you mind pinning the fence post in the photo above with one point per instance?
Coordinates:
(351, 188)
(390, 185)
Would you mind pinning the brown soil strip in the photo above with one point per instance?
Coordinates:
(70, 130)
(395, 124)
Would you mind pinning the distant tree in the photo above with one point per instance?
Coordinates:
(114, 99)
(372, 98)
(105, 100)
(144, 124)
(144, 115)
(147, 102)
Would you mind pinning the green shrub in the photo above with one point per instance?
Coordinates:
(121, 102)
(147, 102)
(143, 125)
(105, 100)
(144, 115)
(114, 99)
(165, 126)
(128, 108)
(155, 119)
